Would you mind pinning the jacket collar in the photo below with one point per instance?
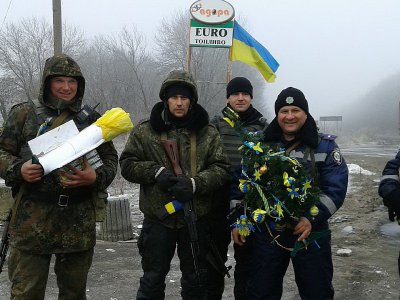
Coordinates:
(198, 118)
(308, 134)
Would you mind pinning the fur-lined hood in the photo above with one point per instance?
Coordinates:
(197, 119)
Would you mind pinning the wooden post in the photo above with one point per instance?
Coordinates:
(117, 225)
(57, 27)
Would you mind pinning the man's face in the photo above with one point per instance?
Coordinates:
(291, 119)
(178, 105)
(63, 88)
(239, 101)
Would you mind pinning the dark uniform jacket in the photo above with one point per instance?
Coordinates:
(330, 167)
(144, 155)
(41, 225)
(390, 177)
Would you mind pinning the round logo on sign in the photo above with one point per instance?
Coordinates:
(212, 11)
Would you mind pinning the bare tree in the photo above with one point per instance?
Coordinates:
(121, 72)
(208, 65)
(24, 48)
(7, 95)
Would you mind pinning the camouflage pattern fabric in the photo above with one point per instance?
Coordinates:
(179, 77)
(144, 152)
(42, 226)
(71, 270)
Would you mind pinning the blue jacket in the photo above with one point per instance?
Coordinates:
(332, 175)
(390, 177)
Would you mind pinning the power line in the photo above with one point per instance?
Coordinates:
(4, 20)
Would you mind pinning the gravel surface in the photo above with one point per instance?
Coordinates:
(364, 245)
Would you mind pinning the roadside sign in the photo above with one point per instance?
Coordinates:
(205, 35)
(212, 11)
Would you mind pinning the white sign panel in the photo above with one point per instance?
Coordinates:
(218, 36)
(212, 11)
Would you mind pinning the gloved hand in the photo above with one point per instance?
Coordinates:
(182, 189)
(392, 201)
(163, 180)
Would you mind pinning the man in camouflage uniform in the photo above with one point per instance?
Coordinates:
(144, 161)
(239, 95)
(50, 217)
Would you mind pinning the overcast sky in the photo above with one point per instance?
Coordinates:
(335, 51)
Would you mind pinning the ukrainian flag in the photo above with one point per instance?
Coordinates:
(246, 49)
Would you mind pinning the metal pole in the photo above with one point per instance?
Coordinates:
(189, 52)
(57, 27)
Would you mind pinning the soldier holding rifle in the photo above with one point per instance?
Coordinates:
(177, 179)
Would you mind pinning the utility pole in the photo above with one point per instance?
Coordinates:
(57, 27)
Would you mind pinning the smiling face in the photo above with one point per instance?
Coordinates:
(239, 101)
(291, 119)
(63, 88)
(178, 105)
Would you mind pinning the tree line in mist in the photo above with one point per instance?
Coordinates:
(375, 116)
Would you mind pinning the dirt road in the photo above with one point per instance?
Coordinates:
(370, 272)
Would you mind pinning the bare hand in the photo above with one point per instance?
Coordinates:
(303, 228)
(237, 238)
(79, 178)
(31, 172)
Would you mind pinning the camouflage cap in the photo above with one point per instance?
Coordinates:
(178, 77)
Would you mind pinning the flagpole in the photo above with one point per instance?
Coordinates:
(229, 71)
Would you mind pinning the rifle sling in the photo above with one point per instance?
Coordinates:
(56, 122)
(193, 154)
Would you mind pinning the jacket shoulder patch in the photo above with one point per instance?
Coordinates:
(337, 156)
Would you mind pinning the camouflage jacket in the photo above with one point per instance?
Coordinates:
(41, 225)
(144, 155)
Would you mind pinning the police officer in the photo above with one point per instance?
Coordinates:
(178, 117)
(389, 190)
(239, 94)
(295, 130)
(51, 216)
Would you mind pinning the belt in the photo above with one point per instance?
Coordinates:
(63, 198)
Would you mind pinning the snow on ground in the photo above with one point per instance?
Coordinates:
(356, 169)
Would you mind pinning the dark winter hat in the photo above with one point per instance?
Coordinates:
(178, 89)
(239, 84)
(291, 96)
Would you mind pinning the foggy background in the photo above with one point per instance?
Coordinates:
(342, 54)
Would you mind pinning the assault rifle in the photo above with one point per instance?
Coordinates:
(171, 149)
(213, 257)
(5, 240)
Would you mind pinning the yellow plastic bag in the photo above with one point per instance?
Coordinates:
(113, 123)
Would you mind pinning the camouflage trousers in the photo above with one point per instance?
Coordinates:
(28, 274)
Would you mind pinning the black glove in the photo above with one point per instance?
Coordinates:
(392, 201)
(182, 189)
(164, 181)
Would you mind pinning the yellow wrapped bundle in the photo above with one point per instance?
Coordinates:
(113, 123)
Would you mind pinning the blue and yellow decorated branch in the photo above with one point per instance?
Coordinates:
(277, 188)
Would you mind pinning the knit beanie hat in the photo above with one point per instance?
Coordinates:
(178, 89)
(239, 84)
(291, 96)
